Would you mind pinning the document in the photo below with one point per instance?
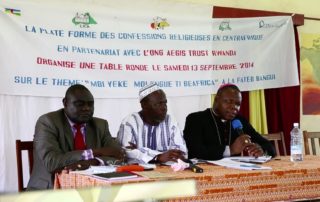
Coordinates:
(197, 161)
(250, 159)
(148, 166)
(156, 174)
(96, 169)
(168, 163)
(226, 162)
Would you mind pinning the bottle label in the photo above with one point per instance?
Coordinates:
(296, 149)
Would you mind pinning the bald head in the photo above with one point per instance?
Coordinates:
(72, 89)
(227, 86)
(78, 104)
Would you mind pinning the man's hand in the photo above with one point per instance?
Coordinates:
(254, 150)
(132, 146)
(170, 155)
(116, 152)
(240, 144)
(79, 165)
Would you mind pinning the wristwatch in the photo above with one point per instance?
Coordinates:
(155, 159)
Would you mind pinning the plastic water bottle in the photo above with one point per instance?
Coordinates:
(296, 143)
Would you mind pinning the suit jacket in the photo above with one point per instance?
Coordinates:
(54, 147)
(205, 141)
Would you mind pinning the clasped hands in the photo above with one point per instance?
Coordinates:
(170, 155)
(243, 144)
(115, 152)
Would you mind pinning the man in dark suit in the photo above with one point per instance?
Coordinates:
(209, 134)
(71, 138)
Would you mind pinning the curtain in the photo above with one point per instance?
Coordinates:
(258, 116)
(283, 105)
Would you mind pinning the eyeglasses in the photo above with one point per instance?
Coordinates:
(117, 162)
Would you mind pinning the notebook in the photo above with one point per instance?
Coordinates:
(115, 175)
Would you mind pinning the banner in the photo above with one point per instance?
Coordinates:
(114, 53)
(310, 74)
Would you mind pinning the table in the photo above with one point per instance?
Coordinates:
(285, 182)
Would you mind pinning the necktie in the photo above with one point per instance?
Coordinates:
(79, 143)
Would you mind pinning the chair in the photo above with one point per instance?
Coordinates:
(275, 138)
(21, 146)
(314, 138)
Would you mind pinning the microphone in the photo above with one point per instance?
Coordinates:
(237, 125)
(193, 167)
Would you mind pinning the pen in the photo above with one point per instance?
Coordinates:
(249, 166)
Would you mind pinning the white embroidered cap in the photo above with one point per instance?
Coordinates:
(147, 89)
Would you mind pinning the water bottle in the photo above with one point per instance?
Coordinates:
(296, 143)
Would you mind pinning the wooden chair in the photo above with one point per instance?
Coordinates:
(314, 138)
(21, 146)
(276, 138)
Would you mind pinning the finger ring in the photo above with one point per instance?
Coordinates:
(79, 165)
(246, 141)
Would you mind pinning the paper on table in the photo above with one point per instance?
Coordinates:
(96, 169)
(197, 161)
(250, 159)
(226, 162)
(168, 163)
(156, 174)
(148, 165)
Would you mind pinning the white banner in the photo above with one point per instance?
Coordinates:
(45, 50)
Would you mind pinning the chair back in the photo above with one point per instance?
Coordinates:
(276, 138)
(21, 146)
(311, 142)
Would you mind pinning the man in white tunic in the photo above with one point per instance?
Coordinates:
(152, 135)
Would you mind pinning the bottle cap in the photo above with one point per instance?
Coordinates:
(295, 124)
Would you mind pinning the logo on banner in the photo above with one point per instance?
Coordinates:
(83, 20)
(225, 25)
(263, 24)
(316, 43)
(159, 23)
(13, 11)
